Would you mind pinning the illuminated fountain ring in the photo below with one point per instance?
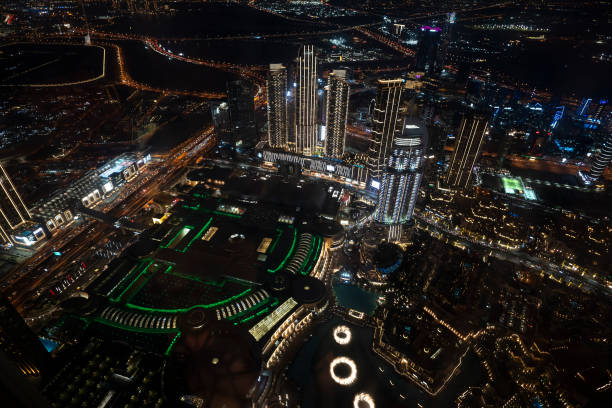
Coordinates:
(363, 400)
(349, 379)
(342, 335)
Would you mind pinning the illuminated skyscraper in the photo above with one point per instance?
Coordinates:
(584, 106)
(242, 113)
(386, 125)
(447, 32)
(337, 112)
(401, 178)
(221, 122)
(470, 138)
(602, 160)
(13, 212)
(426, 55)
(601, 109)
(277, 107)
(306, 101)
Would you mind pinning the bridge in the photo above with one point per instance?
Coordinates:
(106, 218)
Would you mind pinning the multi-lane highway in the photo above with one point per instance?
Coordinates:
(34, 275)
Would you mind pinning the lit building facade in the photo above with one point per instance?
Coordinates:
(470, 138)
(306, 102)
(13, 212)
(221, 122)
(57, 211)
(386, 125)
(399, 185)
(337, 113)
(602, 160)
(445, 40)
(242, 113)
(277, 107)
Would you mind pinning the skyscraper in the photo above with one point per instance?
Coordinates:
(602, 160)
(470, 138)
(445, 38)
(221, 122)
(337, 112)
(386, 125)
(401, 177)
(306, 102)
(584, 106)
(277, 107)
(242, 113)
(426, 55)
(13, 212)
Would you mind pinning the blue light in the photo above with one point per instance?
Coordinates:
(49, 345)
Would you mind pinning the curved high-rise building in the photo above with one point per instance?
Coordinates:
(602, 160)
(401, 178)
(386, 125)
(277, 107)
(306, 102)
(337, 113)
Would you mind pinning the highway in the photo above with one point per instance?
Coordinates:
(555, 272)
(43, 268)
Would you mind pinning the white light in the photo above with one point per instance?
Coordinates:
(342, 335)
(348, 380)
(363, 399)
(412, 127)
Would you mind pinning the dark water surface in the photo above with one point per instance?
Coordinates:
(310, 371)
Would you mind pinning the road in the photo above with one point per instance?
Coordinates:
(43, 268)
(554, 271)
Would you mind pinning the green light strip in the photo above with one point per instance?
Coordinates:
(303, 265)
(288, 254)
(198, 235)
(262, 311)
(315, 257)
(117, 299)
(141, 285)
(169, 349)
(198, 279)
(172, 311)
(227, 214)
(125, 277)
(249, 310)
(247, 319)
(280, 233)
(189, 227)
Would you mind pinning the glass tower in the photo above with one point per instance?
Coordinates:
(386, 125)
(337, 113)
(13, 212)
(277, 107)
(401, 178)
(306, 102)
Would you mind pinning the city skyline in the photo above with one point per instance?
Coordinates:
(305, 204)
